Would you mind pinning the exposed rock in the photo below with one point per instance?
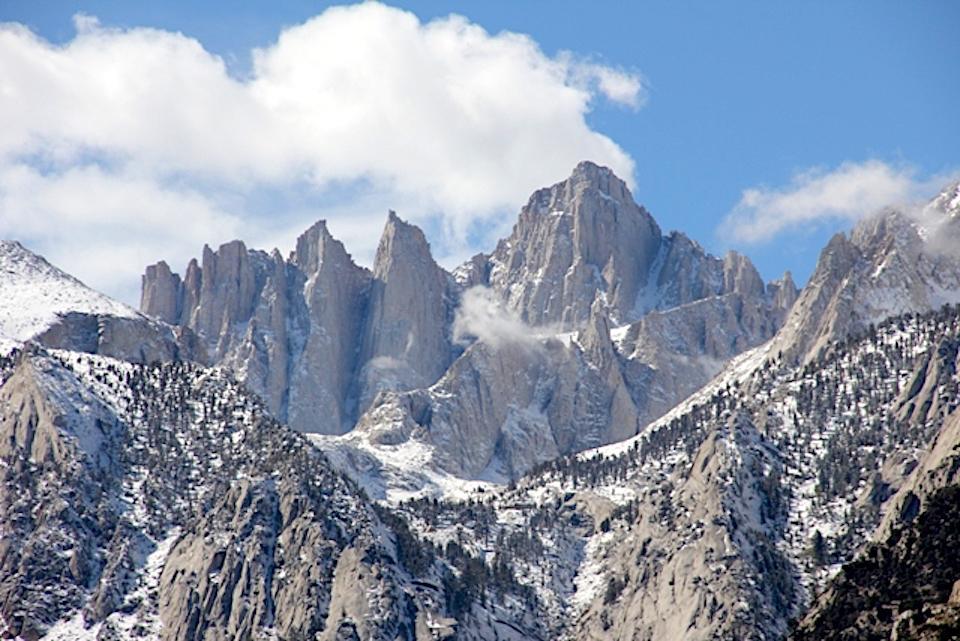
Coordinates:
(161, 502)
(328, 322)
(583, 235)
(161, 293)
(406, 341)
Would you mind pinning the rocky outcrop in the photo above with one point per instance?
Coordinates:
(59, 451)
(904, 587)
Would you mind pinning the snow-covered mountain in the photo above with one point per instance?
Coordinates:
(162, 502)
(531, 456)
(892, 263)
(728, 515)
(46, 305)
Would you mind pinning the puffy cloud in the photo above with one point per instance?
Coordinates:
(848, 193)
(441, 120)
(103, 227)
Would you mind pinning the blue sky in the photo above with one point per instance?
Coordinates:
(773, 97)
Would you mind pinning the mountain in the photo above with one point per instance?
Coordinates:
(162, 502)
(892, 263)
(332, 346)
(711, 457)
(725, 518)
(315, 335)
(42, 303)
(587, 235)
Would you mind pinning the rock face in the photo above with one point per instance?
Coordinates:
(892, 263)
(587, 235)
(500, 410)
(320, 338)
(406, 340)
(315, 335)
(578, 237)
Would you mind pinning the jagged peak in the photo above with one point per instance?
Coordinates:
(588, 176)
(397, 225)
(948, 200)
(160, 268)
(315, 246)
(740, 275)
(401, 241)
(784, 283)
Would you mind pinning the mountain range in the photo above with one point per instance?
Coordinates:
(595, 431)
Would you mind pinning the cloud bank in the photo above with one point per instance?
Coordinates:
(846, 194)
(137, 133)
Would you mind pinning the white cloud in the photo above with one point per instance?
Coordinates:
(102, 227)
(482, 316)
(438, 119)
(619, 86)
(848, 193)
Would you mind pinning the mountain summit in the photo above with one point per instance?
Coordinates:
(319, 338)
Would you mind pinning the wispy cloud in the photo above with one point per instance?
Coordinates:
(847, 193)
(482, 316)
(439, 119)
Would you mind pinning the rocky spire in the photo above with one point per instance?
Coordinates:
(161, 293)
(406, 341)
(330, 301)
(740, 276)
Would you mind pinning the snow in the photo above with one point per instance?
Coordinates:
(395, 473)
(589, 579)
(35, 293)
(7, 345)
(73, 630)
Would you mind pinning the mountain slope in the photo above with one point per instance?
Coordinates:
(44, 304)
(724, 518)
(906, 587)
(162, 502)
(891, 263)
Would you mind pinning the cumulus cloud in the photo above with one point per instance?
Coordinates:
(105, 226)
(482, 316)
(848, 193)
(442, 119)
